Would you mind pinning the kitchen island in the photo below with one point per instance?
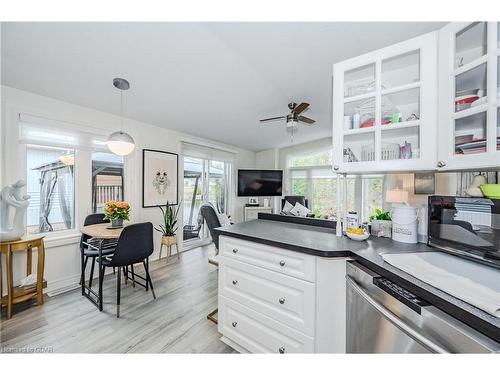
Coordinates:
(325, 255)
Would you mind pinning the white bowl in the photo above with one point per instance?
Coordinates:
(358, 237)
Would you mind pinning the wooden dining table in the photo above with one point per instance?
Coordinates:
(101, 236)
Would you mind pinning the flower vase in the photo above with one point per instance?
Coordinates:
(117, 223)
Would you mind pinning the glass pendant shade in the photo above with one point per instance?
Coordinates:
(120, 143)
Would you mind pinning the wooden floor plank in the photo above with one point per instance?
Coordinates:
(175, 322)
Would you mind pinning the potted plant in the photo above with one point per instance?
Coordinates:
(169, 225)
(381, 223)
(116, 212)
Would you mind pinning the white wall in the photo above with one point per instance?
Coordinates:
(62, 254)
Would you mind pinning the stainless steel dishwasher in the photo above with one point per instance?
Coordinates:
(382, 317)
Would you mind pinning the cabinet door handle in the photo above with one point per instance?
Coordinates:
(235, 282)
(282, 350)
(282, 301)
(235, 251)
(234, 324)
(441, 164)
(282, 263)
(336, 168)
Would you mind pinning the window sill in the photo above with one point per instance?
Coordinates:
(69, 238)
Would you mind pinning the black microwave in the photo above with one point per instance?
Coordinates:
(464, 226)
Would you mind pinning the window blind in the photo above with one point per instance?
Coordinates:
(206, 152)
(47, 132)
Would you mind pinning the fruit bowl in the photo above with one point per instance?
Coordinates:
(358, 237)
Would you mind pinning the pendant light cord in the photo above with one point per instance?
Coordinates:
(121, 111)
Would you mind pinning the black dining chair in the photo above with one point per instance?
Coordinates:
(87, 252)
(135, 245)
(210, 216)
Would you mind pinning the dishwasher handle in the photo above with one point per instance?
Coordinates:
(395, 320)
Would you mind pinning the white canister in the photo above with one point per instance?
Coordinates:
(405, 224)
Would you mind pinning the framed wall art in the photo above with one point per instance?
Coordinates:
(159, 178)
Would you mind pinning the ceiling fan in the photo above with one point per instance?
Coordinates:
(294, 118)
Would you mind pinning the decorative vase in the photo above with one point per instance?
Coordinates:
(118, 223)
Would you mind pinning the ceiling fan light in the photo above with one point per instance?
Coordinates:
(120, 143)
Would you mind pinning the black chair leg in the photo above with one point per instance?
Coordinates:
(118, 290)
(148, 278)
(83, 267)
(125, 274)
(91, 272)
(101, 280)
(133, 275)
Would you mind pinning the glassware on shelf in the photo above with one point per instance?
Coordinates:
(359, 81)
(470, 43)
(401, 70)
(470, 134)
(471, 88)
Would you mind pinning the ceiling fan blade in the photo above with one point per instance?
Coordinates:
(300, 108)
(273, 119)
(307, 120)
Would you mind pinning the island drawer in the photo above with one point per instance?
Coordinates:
(288, 300)
(286, 262)
(258, 333)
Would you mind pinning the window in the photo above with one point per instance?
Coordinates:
(50, 178)
(107, 179)
(311, 176)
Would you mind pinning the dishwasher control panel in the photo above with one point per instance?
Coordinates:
(401, 294)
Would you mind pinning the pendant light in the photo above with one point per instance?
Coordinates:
(121, 143)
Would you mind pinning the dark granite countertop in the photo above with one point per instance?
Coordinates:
(323, 242)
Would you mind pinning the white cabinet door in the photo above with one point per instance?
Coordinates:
(469, 97)
(385, 110)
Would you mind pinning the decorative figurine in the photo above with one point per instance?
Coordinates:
(10, 197)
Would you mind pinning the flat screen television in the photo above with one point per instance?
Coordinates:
(260, 182)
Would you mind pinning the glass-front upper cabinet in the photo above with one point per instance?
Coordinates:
(469, 81)
(384, 106)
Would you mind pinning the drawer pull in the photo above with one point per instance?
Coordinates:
(282, 350)
(235, 251)
(282, 263)
(234, 324)
(235, 282)
(282, 301)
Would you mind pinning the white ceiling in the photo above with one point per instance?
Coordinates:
(214, 80)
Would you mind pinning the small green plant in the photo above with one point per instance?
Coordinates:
(169, 214)
(380, 215)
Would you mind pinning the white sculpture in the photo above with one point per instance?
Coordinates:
(10, 197)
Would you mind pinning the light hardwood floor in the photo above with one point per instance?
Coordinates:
(175, 322)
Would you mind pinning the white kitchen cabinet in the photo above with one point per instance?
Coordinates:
(280, 301)
(469, 63)
(385, 109)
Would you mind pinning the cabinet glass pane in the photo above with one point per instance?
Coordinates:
(470, 43)
(498, 34)
(498, 79)
(401, 106)
(400, 143)
(359, 147)
(471, 88)
(359, 81)
(401, 70)
(470, 134)
(359, 114)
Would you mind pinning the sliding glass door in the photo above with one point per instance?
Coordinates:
(205, 181)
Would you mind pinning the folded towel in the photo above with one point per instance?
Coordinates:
(474, 283)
